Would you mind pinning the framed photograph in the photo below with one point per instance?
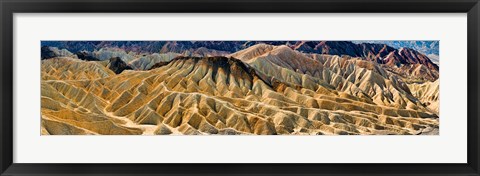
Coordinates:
(268, 87)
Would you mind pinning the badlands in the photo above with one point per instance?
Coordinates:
(260, 89)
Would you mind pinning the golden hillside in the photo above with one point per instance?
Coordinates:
(267, 90)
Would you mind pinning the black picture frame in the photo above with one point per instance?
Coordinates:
(9, 7)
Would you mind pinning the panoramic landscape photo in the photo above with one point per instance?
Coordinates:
(240, 88)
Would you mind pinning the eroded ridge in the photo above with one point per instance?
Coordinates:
(267, 90)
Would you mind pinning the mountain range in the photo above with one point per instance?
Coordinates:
(429, 48)
(407, 60)
(237, 87)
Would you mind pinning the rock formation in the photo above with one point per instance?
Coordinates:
(262, 89)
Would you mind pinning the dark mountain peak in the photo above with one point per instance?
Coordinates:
(47, 53)
(407, 56)
(84, 55)
(236, 68)
(117, 65)
(226, 63)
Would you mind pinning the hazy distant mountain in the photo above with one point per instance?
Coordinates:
(425, 47)
(72, 46)
(434, 58)
(429, 48)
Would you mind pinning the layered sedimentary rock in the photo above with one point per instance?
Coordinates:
(428, 93)
(364, 79)
(64, 68)
(263, 89)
